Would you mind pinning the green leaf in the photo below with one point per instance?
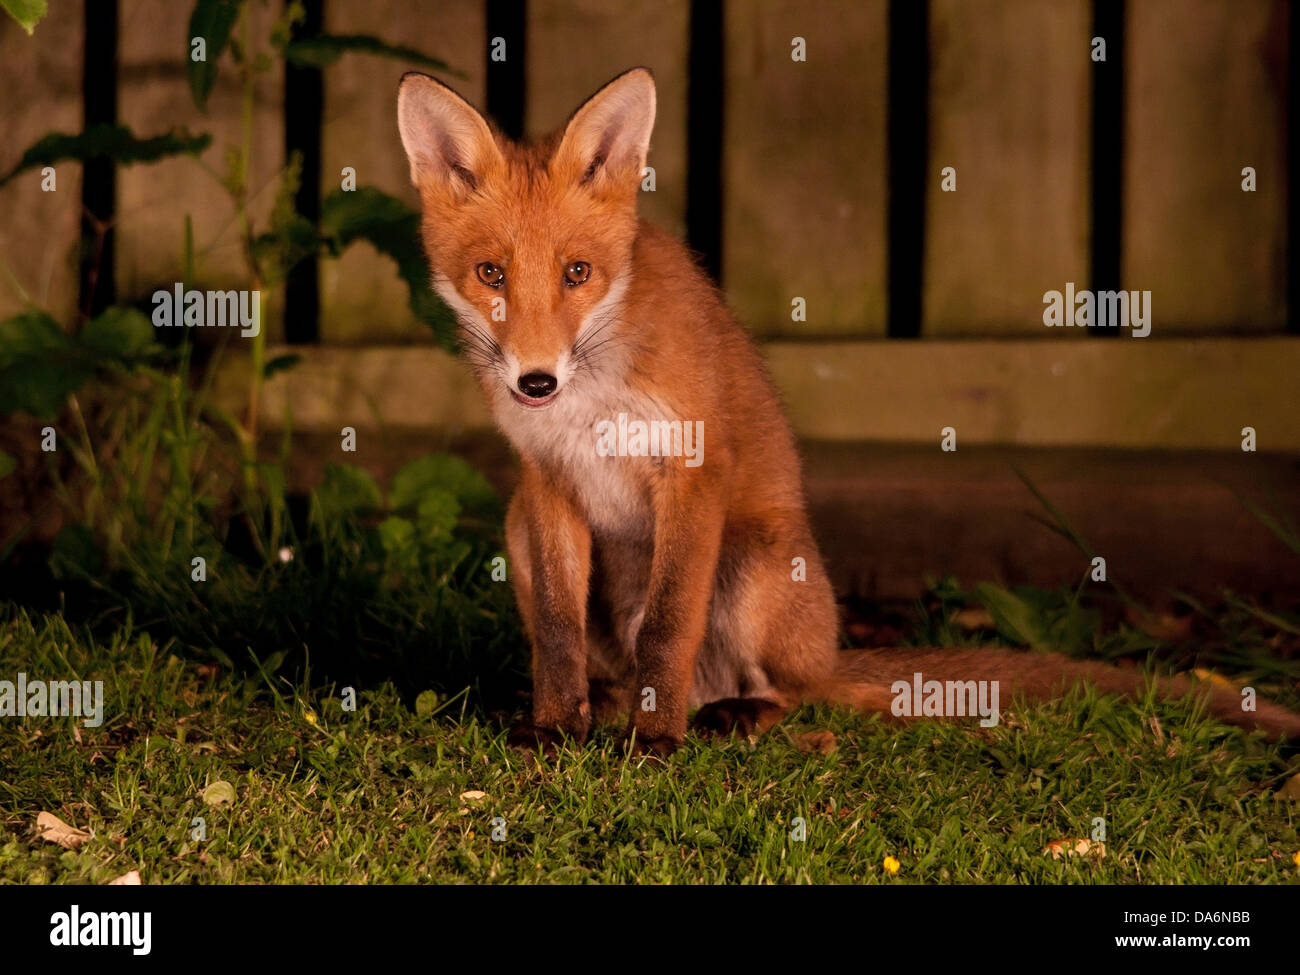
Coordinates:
(29, 334)
(325, 49)
(104, 141)
(7, 464)
(436, 515)
(396, 534)
(122, 334)
(27, 12)
(281, 363)
(426, 703)
(346, 491)
(1016, 619)
(441, 473)
(39, 365)
(212, 20)
(703, 837)
(393, 229)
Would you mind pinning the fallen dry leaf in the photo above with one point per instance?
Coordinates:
(129, 879)
(1160, 626)
(1290, 789)
(52, 829)
(973, 618)
(1213, 678)
(1076, 847)
(821, 742)
(1154, 723)
(219, 792)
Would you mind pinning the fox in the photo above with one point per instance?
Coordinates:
(664, 588)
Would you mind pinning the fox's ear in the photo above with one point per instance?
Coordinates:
(447, 141)
(609, 136)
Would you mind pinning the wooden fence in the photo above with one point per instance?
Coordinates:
(819, 179)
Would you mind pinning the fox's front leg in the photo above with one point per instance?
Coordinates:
(689, 516)
(550, 550)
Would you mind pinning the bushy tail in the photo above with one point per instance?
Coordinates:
(865, 678)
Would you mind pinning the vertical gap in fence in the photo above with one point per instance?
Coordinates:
(706, 87)
(909, 160)
(507, 81)
(1293, 174)
(1107, 153)
(98, 288)
(304, 99)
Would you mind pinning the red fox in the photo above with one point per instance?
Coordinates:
(659, 541)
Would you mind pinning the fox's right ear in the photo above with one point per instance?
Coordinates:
(448, 143)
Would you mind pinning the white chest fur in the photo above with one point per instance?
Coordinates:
(613, 489)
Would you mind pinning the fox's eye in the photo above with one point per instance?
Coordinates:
(491, 275)
(576, 273)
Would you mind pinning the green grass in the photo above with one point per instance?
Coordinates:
(324, 796)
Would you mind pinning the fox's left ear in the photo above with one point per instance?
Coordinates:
(609, 136)
(449, 144)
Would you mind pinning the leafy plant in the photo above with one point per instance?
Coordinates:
(41, 365)
(170, 514)
(346, 217)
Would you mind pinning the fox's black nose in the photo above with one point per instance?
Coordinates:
(537, 385)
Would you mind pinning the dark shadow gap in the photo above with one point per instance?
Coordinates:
(507, 101)
(704, 127)
(98, 289)
(304, 105)
(1293, 174)
(1107, 153)
(908, 151)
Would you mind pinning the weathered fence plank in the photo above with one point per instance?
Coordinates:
(1206, 97)
(362, 298)
(1010, 102)
(565, 66)
(153, 199)
(40, 231)
(804, 166)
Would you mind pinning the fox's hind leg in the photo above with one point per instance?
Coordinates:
(772, 630)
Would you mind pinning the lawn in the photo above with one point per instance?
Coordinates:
(424, 789)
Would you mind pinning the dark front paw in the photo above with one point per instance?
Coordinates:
(743, 716)
(527, 737)
(656, 746)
